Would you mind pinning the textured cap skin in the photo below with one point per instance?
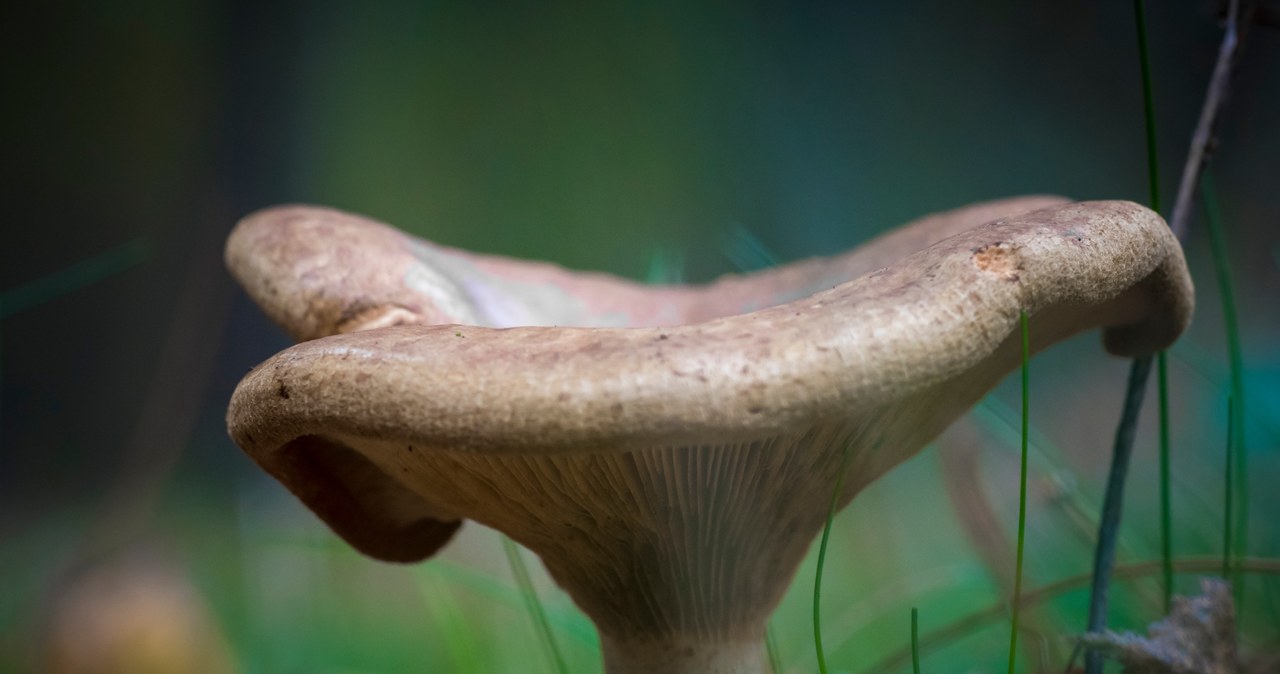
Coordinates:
(318, 272)
(931, 316)
(671, 477)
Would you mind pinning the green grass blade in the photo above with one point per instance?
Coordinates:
(83, 273)
(447, 616)
(566, 621)
(69, 279)
(822, 558)
(1166, 509)
(771, 650)
(1153, 187)
(539, 616)
(1022, 491)
(1235, 421)
(747, 252)
(1148, 107)
(666, 266)
(915, 640)
(1227, 491)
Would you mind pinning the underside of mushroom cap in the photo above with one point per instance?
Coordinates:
(672, 477)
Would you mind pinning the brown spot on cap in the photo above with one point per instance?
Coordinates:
(998, 258)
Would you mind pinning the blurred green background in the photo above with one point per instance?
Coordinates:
(621, 136)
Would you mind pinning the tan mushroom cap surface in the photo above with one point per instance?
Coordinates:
(672, 477)
(318, 272)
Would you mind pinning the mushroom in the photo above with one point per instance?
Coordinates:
(670, 477)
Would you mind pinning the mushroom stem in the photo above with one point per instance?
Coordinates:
(683, 655)
(678, 555)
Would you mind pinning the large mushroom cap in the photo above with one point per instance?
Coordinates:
(935, 317)
(672, 477)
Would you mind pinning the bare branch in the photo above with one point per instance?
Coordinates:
(1203, 141)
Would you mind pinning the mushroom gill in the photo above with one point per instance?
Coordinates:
(671, 477)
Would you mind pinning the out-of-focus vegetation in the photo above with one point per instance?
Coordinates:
(630, 137)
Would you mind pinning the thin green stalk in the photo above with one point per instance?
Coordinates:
(1148, 107)
(771, 650)
(1075, 655)
(915, 640)
(457, 640)
(1022, 490)
(1227, 498)
(1166, 510)
(539, 616)
(1162, 378)
(73, 277)
(1236, 447)
(822, 558)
